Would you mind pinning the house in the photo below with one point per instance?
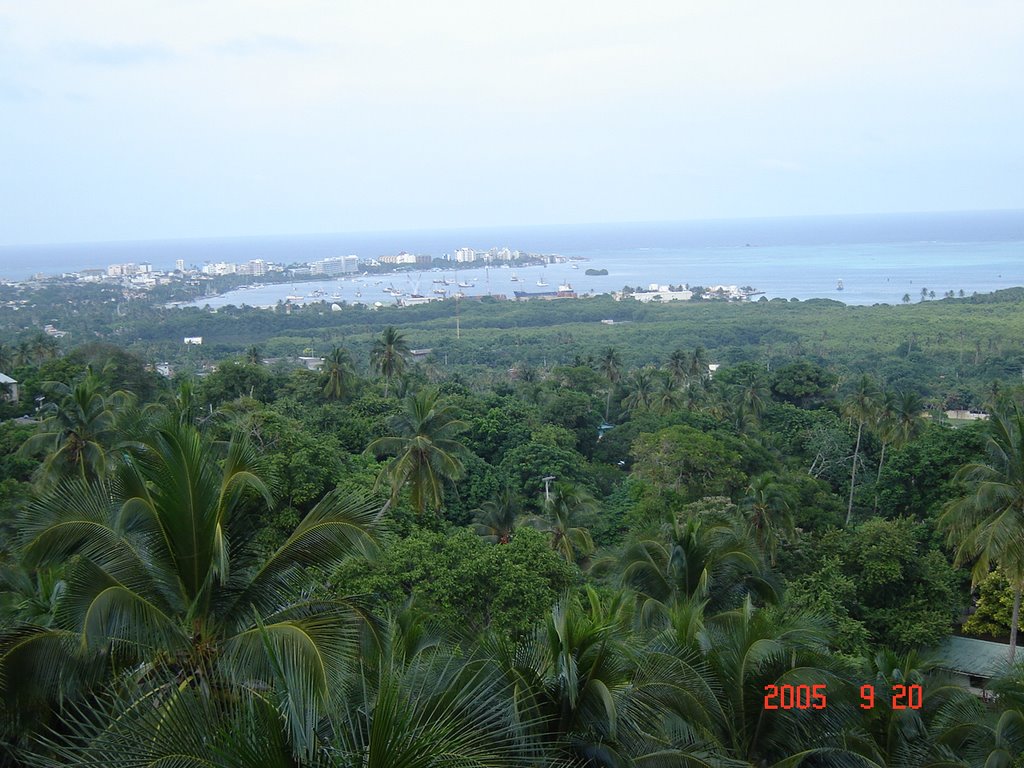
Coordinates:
(973, 662)
(8, 388)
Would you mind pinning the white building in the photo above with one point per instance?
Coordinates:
(337, 265)
(657, 292)
(463, 255)
(120, 270)
(8, 388)
(179, 265)
(404, 258)
(220, 268)
(257, 267)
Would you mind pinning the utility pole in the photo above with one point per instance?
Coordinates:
(547, 488)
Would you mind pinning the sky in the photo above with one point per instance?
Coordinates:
(146, 119)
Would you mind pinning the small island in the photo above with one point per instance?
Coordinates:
(596, 272)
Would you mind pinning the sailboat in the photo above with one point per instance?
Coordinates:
(541, 283)
(839, 285)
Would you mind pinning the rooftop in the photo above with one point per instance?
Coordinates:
(969, 656)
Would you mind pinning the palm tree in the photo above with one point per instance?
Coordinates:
(338, 373)
(748, 648)
(667, 395)
(700, 371)
(44, 346)
(165, 593)
(432, 707)
(389, 354)
(610, 364)
(640, 390)
(24, 354)
(183, 404)
(706, 558)
(81, 429)
(770, 513)
(565, 502)
(254, 355)
(497, 517)
(751, 399)
(6, 358)
(859, 406)
(898, 421)
(906, 736)
(678, 367)
(885, 429)
(908, 421)
(985, 524)
(426, 449)
(590, 697)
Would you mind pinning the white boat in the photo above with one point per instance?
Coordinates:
(466, 285)
(575, 266)
(294, 298)
(564, 288)
(839, 285)
(514, 278)
(336, 295)
(541, 283)
(440, 291)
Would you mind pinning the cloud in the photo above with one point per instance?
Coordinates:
(780, 164)
(264, 44)
(14, 92)
(115, 56)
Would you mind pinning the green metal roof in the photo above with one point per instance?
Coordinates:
(969, 656)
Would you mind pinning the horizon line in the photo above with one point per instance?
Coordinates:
(463, 228)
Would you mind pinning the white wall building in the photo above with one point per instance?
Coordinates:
(657, 292)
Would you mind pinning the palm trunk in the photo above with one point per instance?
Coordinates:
(878, 477)
(1015, 622)
(853, 472)
(607, 405)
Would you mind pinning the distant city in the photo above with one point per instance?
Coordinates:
(143, 275)
(187, 284)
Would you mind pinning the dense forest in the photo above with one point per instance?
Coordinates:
(542, 540)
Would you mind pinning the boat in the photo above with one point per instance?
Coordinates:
(294, 298)
(514, 278)
(575, 266)
(466, 285)
(565, 288)
(541, 283)
(440, 291)
(336, 295)
(839, 285)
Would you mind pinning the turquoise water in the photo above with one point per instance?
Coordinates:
(878, 258)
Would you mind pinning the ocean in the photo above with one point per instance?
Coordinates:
(878, 259)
